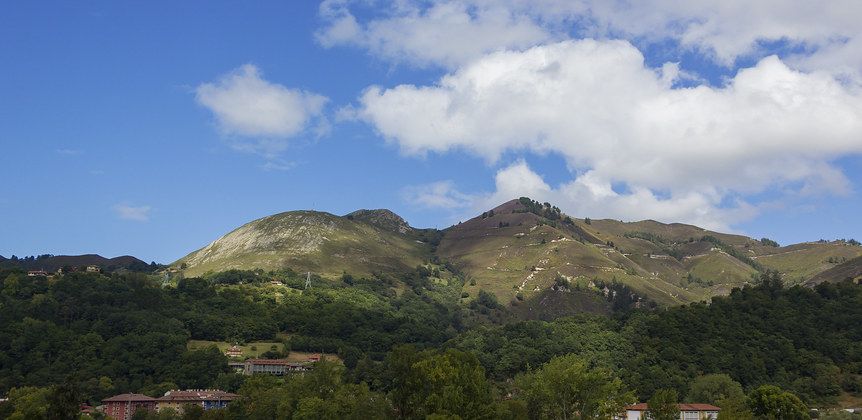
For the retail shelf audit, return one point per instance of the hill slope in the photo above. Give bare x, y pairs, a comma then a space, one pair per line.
523, 248
521, 251
323, 243
851, 270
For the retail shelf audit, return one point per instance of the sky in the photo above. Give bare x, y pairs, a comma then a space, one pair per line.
151, 128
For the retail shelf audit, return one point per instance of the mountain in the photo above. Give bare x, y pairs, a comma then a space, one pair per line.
360, 243
53, 263
524, 252
381, 218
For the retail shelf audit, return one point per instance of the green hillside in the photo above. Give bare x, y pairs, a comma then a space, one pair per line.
524, 252
322, 243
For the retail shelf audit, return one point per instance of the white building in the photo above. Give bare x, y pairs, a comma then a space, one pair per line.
686, 412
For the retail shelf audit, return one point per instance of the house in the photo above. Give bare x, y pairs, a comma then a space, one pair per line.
208, 399
124, 406
35, 273
686, 412
276, 367
94, 269
314, 358
233, 351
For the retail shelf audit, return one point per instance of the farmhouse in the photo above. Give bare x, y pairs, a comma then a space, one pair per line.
124, 406
686, 412
233, 351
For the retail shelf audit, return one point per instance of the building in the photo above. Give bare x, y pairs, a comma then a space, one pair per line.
233, 351
124, 406
272, 367
237, 367
686, 412
35, 273
208, 399
94, 269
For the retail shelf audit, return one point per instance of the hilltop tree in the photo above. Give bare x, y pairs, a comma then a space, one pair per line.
769, 242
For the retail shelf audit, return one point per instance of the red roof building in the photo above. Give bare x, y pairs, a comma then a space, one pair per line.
124, 406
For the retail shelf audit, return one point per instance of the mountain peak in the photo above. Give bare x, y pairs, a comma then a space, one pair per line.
381, 218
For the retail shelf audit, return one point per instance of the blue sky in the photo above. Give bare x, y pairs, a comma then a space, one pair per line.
125, 126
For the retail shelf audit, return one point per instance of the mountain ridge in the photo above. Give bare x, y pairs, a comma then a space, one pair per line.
518, 250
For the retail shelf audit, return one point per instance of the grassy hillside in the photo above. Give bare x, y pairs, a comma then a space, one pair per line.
802, 262
322, 243
520, 251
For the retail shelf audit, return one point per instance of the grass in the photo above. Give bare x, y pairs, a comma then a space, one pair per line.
325, 244
254, 349
720, 268
802, 264
260, 347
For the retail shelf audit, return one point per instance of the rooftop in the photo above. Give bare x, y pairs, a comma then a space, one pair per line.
129, 398
279, 362
198, 395
682, 407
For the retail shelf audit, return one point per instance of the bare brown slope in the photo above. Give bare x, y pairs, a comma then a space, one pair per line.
850, 270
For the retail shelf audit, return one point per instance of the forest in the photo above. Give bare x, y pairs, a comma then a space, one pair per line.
413, 347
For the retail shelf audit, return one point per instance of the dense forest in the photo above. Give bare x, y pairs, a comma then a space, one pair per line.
414, 346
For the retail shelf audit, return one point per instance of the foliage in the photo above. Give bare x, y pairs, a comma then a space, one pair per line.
319, 394
663, 405
567, 388
545, 210
734, 409
451, 383
769, 242
710, 389
773, 403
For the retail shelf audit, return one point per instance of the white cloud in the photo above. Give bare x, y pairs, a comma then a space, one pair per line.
444, 33
263, 114
450, 32
134, 213
67, 152
586, 197
617, 121
437, 195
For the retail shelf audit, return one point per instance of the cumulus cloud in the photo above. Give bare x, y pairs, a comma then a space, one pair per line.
615, 120
259, 115
134, 213
450, 32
